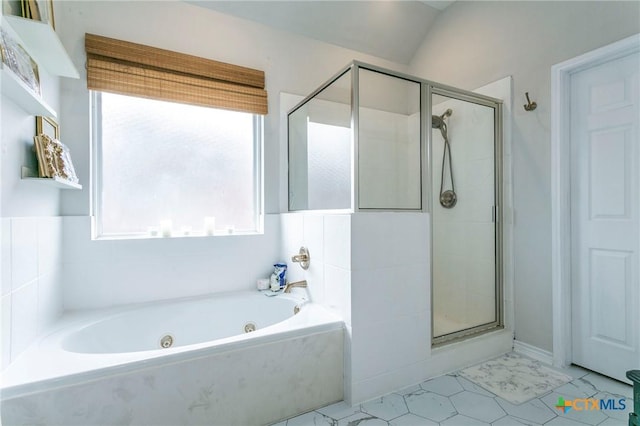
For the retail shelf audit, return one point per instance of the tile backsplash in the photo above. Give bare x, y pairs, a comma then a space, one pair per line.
31, 297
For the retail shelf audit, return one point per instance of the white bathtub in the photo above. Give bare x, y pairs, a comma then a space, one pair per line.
187, 322
109, 367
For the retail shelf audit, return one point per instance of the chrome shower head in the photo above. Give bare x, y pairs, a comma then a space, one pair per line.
437, 122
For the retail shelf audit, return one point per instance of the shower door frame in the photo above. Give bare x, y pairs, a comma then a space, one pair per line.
427, 89
498, 221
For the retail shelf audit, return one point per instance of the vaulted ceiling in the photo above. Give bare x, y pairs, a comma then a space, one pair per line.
390, 29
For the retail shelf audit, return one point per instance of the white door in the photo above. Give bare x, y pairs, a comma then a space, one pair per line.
605, 205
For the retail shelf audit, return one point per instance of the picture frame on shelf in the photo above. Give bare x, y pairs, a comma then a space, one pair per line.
54, 159
39, 10
47, 166
47, 126
33, 10
49, 150
66, 165
18, 60
13, 8
46, 12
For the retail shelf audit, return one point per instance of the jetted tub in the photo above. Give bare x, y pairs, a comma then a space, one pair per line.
181, 324
234, 358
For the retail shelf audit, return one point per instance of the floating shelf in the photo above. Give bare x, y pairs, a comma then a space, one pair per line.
40, 40
56, 182
15, 89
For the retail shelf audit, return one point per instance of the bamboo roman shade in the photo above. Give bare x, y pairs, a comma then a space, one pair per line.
137, 70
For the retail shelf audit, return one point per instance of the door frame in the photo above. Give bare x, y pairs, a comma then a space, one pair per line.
561, 186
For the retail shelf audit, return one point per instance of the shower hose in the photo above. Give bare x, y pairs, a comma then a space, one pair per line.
447, 200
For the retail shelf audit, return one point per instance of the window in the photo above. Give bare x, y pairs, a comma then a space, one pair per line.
160, 161
178, 141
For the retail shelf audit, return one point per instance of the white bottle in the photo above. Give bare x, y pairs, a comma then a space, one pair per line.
274, 282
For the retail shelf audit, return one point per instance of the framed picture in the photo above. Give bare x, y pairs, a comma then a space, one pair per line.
45, 151
13, 8
66, 166
33, 10
47, 126
46, 10
54, 158
38, 10
19, 61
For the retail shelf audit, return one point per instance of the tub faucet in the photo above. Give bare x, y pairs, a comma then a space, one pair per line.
300, 284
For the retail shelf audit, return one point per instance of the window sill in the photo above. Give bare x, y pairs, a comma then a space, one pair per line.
145, 236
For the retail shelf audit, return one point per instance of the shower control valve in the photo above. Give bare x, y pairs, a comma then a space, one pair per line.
302, 258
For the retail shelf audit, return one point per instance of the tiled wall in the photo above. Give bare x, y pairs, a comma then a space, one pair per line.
390, 303
103, 273
328, 239
31, 270
372, 270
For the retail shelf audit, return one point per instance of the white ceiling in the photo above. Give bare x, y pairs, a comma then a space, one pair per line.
390, 29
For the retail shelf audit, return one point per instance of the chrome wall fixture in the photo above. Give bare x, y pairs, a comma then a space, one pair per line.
302, 258
530, 106
297, 284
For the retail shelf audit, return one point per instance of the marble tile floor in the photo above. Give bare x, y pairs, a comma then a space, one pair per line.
452, 400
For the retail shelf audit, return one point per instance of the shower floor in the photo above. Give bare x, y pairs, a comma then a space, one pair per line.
443, 325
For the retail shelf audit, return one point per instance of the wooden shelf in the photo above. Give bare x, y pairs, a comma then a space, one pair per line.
15, 89
56, 182
40, 40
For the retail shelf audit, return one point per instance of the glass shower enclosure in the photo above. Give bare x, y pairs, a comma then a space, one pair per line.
385, 172
371, 139
465, 213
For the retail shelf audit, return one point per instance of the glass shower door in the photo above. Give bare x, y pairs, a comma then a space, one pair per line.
466, 288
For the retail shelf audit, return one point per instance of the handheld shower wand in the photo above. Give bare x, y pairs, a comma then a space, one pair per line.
448, 198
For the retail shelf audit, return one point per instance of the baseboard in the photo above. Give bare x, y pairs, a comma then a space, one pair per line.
533, 352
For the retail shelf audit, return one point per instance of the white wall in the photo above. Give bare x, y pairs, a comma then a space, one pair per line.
31, 297
472, 43
101, 273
